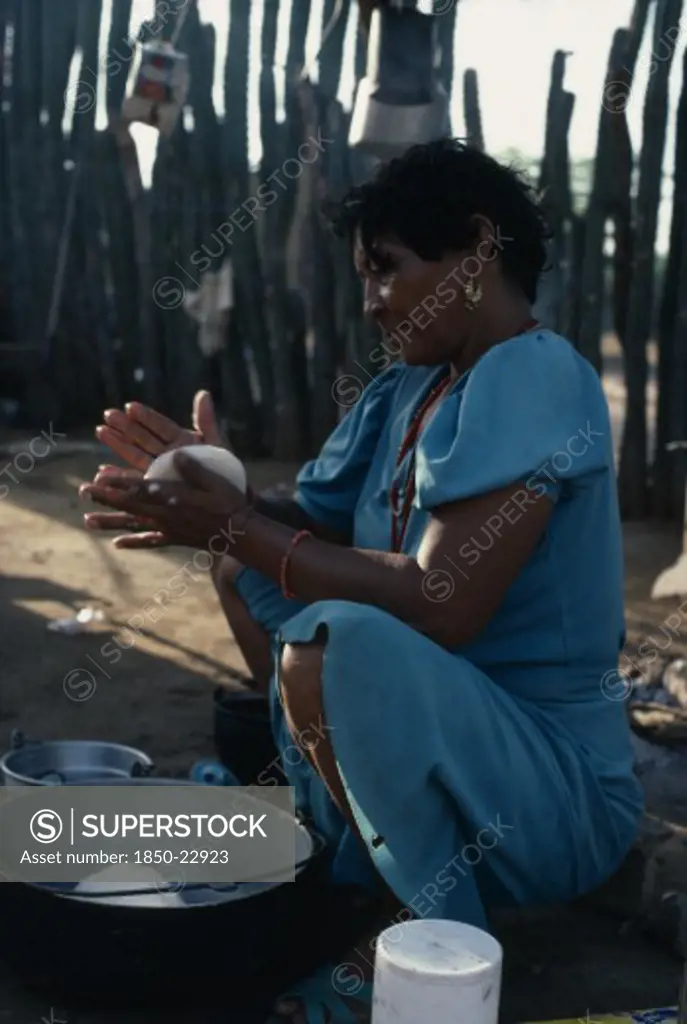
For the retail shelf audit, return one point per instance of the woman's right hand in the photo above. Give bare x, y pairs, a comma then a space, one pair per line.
133, 532
138, 434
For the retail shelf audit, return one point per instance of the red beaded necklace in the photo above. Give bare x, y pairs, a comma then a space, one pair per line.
401, 515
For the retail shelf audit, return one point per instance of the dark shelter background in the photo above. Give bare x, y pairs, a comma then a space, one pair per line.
99, 275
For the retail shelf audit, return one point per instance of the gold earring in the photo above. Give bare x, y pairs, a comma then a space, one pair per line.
473, 293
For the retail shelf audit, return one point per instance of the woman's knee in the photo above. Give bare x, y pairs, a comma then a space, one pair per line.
300, 670
228, 569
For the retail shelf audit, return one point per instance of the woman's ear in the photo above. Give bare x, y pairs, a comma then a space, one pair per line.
483, 229
484, 237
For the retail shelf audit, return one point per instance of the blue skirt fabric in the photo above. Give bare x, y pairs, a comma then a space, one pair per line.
467, 795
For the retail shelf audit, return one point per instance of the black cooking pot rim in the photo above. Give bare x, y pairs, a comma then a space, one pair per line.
318, 851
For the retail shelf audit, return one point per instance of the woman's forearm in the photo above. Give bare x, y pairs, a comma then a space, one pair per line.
320, 571
290, 513
280, 510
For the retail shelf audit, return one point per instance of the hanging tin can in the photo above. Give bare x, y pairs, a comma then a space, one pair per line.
158, 87
400, 101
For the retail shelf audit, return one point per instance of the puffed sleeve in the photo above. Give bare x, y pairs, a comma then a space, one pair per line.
328, 487
532, 410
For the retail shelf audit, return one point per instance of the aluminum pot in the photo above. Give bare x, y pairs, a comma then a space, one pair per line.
57, 762
235, 951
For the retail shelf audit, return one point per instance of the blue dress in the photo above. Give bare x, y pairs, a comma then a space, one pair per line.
501, 772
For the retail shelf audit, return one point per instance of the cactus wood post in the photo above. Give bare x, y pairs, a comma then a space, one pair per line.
203, 211
610, 197
226, 373
446, 34
554, 184
321, 181
680, 347
249, 314
672, 582
623, 163
336, 163
120, 54
592, 278
672, 365
320, 284
7, 318
471, 108
86, 224
295, 133
633, 458
273, 226
21, 100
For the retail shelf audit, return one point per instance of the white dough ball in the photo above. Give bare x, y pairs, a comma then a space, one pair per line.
217, 460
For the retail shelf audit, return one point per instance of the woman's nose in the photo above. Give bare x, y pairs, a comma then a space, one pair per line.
373, 303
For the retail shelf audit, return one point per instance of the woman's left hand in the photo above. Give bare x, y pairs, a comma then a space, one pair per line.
204, 511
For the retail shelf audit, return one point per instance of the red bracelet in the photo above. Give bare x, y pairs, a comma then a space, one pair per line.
301, 535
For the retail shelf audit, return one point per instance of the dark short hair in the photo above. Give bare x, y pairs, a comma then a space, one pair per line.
428, 199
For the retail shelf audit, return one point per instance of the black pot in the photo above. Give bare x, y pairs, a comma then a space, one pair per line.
243, 738
230, 955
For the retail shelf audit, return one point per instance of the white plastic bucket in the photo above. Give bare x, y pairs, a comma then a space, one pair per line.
442, 972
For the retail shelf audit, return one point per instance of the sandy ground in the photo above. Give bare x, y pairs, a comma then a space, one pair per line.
158, 696
149, 685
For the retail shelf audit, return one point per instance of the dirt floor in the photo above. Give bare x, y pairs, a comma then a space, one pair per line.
158, 696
